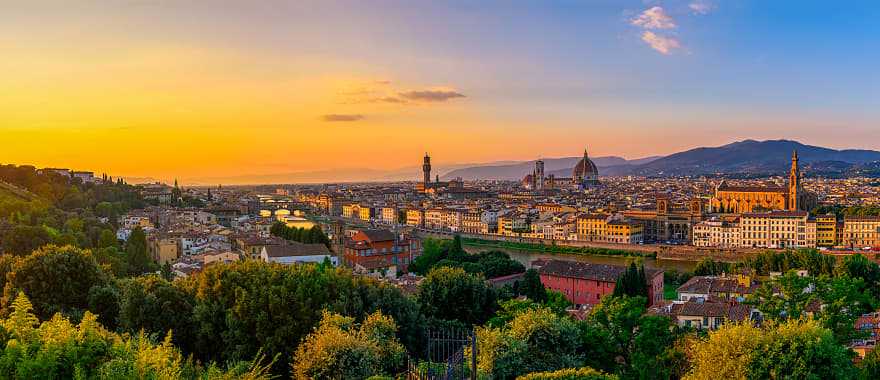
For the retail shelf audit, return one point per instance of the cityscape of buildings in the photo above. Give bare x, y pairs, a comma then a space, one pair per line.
379, 229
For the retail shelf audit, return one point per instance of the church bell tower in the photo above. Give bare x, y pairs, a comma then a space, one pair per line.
794, 184
426, 169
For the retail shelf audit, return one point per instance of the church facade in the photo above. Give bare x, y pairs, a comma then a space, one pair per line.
744, 199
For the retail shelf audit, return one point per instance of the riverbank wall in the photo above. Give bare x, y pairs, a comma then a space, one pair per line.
660, 251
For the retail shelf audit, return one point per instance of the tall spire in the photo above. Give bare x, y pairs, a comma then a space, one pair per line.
794, 184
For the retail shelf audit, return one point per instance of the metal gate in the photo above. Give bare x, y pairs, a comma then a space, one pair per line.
450, 354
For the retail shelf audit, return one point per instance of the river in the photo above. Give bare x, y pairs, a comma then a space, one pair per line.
526, 257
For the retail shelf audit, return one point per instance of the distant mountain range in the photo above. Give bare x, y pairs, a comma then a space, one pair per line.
752, 157
743, 158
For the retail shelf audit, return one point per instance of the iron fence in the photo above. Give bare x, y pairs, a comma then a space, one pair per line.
450, 354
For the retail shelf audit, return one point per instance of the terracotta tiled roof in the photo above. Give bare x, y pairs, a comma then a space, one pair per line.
296, 249
799, 214
730, 311
753, 189
588, 271
714, 284
378, 235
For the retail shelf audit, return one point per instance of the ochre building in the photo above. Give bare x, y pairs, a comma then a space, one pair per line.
745, 199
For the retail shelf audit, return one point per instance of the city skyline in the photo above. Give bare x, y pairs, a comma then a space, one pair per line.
190, 90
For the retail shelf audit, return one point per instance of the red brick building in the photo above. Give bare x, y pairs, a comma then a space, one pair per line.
586, 283
380, 251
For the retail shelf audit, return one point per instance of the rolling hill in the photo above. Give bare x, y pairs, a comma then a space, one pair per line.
750, 157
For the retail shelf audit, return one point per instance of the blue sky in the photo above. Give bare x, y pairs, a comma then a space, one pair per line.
531, 78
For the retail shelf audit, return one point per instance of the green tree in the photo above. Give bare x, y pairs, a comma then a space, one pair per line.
871, 365
155, 305
795, 349
535, 340
859, 266
59, 349
57, 279
112, 260
339, 349
619, 337
531, 286
250, 306
632, 282
452, 294
709, 267
107, 239
139, 260
22, 240
785, 297
584, 373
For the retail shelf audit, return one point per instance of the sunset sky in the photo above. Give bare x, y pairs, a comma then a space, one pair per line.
196, 89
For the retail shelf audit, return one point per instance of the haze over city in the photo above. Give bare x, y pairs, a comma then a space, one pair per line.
208, 91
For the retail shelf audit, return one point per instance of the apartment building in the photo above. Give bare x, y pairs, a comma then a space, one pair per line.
716, 232
776, 229
861, 232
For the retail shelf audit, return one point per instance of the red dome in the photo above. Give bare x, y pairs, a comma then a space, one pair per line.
585, 168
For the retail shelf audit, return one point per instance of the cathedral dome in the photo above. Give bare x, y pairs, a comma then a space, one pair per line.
585, 169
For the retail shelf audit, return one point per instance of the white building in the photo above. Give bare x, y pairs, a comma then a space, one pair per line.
776, 229
717, 233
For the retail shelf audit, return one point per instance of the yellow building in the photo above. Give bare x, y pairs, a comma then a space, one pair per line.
553, 207
602, 228
826, 230
861, 232
365, 213
163, 249
592, 227
351, 210
415, 217
624, 232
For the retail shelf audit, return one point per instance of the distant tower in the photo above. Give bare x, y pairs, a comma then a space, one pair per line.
794, 183
538, 176
426, 169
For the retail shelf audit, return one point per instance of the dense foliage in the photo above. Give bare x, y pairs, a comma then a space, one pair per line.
584, 373
553, 248
843, 211
450, 253
796, 349
340, 349
37, 209
536, 340
452, 294
314, 235
632, 282
61, 349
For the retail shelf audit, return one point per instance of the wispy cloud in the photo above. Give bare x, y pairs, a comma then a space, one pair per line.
654, 18
383, 92
701, 7
664, 45
433, 95
336, 117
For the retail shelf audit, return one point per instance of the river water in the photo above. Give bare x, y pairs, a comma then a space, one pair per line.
526, 257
